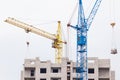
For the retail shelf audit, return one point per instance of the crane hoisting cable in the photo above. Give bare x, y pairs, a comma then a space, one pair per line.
113, 49
57, 38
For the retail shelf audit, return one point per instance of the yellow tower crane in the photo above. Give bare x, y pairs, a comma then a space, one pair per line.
57, 38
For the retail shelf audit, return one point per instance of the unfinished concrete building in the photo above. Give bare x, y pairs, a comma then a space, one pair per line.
34, 69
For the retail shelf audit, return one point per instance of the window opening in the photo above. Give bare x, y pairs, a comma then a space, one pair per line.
42, 70
90, 70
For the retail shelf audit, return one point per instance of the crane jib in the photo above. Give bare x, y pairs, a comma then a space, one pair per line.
30, 28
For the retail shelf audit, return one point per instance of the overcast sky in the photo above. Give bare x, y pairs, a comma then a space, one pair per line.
44, 14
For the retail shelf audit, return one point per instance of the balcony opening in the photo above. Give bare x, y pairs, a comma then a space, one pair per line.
29, 78
32, 72
42, 79
77, 79
104, 79
68, 74
55, 69
74, 69
90, 79
55, 78
68, 63
68, 68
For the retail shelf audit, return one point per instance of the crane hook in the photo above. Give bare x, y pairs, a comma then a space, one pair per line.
27, 43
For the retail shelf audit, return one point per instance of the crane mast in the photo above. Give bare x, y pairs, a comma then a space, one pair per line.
58, 44
82, 28
57, 38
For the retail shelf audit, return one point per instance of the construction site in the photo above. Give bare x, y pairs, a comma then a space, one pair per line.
71, 47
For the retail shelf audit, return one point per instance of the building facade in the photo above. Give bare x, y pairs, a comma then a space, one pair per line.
34, 69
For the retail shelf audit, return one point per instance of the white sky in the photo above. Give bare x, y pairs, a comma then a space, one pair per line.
36, 12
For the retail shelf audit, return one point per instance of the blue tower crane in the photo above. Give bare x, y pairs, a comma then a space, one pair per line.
82, 27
